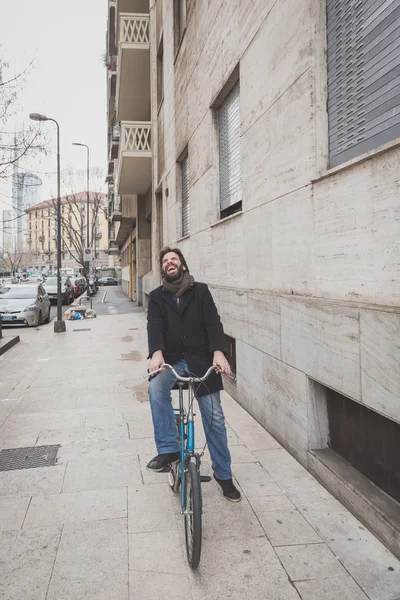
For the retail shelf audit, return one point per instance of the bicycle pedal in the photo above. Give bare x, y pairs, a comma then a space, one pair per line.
205, 478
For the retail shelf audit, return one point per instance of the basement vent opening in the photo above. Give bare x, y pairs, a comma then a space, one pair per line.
367, 440
13, 459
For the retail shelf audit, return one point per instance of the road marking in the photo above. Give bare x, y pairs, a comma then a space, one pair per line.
104, 298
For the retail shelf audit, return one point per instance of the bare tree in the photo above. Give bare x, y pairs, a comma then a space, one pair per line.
24, 140
12, 257
74, 224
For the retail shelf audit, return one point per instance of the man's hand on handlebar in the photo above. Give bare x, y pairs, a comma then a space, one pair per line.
156, 361
220, 362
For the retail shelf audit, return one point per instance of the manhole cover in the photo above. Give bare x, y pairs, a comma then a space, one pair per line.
28, 458
82, 329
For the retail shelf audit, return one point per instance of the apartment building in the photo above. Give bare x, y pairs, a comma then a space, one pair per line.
41, 232
274, 136
129, 141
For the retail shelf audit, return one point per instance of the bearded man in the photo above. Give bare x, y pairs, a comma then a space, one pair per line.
185, 331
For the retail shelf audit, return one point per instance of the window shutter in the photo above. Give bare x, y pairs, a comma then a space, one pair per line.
363, 41
230, 156
185, 197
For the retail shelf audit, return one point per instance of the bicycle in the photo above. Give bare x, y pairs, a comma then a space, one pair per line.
185, 473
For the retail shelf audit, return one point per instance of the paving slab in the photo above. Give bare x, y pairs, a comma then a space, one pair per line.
105, 473
158, 586
27, 560
31, 482
310, 561
91, 562
374, 568
332, 588
150, 509
91, 505
156, 552
12, 512
287, 527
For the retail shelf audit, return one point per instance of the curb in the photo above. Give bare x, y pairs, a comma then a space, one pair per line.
8, 343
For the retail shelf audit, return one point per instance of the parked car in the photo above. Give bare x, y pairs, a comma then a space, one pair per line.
67, 289
22, 304
108, 281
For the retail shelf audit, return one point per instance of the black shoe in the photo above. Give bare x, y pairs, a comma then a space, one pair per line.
229, 489
161, 462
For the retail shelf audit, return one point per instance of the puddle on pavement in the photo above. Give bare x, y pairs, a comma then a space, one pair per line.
134, 355
142, 396
139, 387
127, 338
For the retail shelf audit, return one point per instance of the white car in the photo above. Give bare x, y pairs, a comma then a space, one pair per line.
24, 305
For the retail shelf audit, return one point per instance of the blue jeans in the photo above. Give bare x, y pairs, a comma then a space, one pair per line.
165, 430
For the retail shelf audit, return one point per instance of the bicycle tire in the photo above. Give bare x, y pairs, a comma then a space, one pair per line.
193, 511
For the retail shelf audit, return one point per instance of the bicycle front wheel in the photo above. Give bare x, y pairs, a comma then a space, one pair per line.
192, 514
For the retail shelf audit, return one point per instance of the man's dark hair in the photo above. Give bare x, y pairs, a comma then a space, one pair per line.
167, 249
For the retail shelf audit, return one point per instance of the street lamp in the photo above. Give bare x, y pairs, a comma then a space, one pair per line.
59, 324
87, 197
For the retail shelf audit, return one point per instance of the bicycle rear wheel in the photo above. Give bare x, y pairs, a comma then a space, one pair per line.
193, 514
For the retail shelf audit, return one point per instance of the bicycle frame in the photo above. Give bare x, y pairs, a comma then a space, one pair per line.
186, 436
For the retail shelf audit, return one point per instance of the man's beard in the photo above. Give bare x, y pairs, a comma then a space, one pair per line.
174, 277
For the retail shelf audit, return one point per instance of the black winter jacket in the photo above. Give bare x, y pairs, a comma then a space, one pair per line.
192, 331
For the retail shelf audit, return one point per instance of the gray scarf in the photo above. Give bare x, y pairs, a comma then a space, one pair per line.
180, 286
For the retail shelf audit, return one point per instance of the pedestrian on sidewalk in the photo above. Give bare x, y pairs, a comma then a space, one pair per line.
185, 331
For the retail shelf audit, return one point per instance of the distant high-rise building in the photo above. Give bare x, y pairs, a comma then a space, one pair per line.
26, 190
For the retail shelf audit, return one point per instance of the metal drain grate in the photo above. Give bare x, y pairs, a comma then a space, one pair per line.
13, 459
82, 329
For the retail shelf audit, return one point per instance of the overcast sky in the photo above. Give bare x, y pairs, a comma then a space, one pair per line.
65, 41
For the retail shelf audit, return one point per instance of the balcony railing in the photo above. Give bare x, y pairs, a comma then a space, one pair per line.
135, 136
134, 29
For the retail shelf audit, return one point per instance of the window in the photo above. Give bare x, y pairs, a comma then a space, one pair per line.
230, 344
230, 156
180, 17
185, 196
363, 58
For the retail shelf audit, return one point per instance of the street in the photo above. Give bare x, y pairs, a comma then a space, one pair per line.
97, 525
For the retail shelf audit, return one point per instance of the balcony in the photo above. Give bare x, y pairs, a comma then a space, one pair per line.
98, 235
133, 174
116, 208
133, 68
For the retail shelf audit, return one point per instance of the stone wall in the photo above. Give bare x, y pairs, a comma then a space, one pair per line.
306, 277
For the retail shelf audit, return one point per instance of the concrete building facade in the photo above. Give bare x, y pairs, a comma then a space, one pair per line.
275, 169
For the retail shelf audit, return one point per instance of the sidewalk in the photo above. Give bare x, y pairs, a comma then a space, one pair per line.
98, 526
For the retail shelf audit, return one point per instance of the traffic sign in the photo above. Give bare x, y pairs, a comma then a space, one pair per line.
88, 254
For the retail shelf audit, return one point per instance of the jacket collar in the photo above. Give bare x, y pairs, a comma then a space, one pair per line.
183, 300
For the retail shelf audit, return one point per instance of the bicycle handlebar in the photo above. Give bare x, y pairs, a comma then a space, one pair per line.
184, 379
